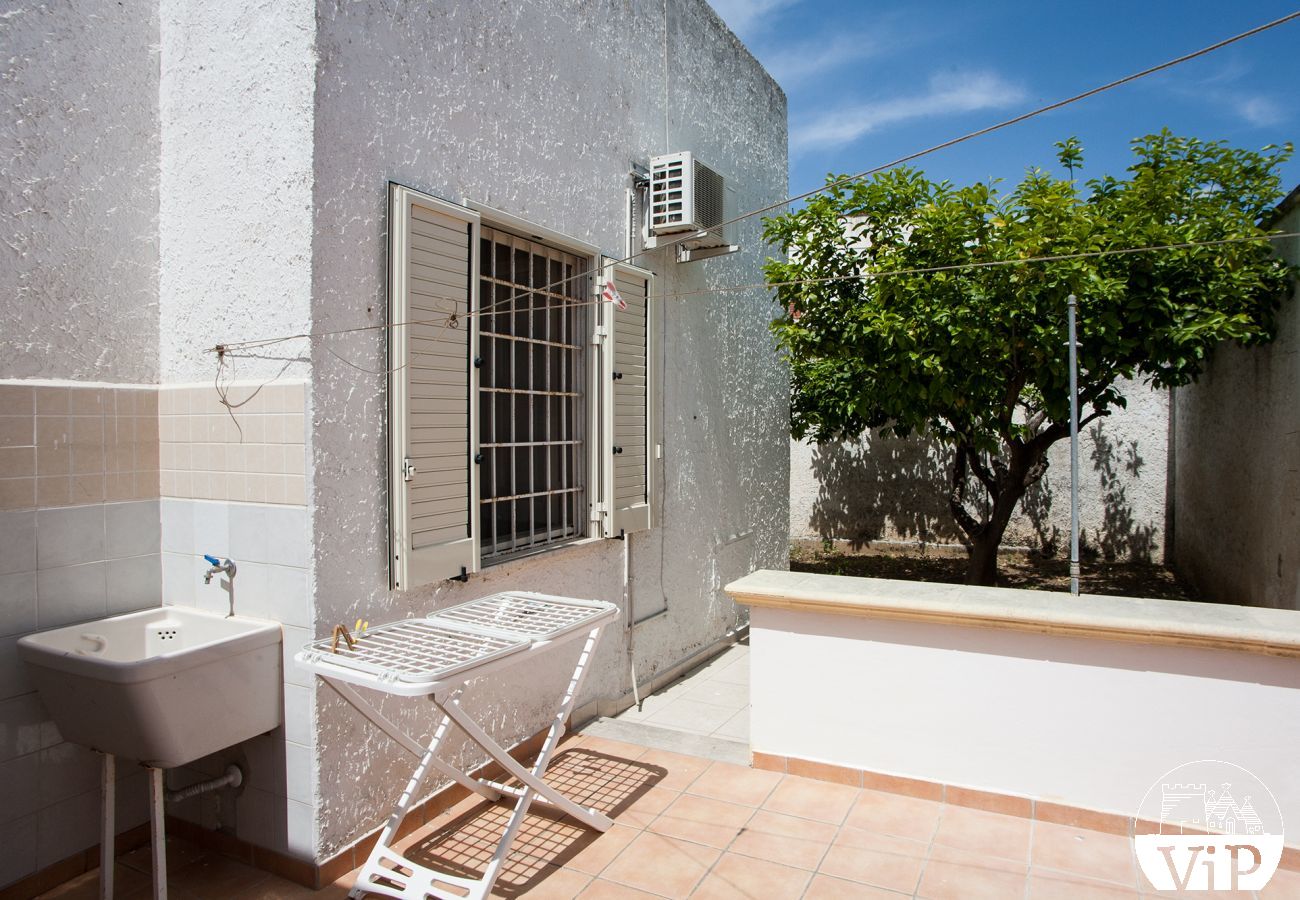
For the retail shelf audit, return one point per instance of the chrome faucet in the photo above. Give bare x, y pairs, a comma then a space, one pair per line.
228, 567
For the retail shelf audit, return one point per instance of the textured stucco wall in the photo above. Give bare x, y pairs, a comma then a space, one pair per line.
237, 82
887, 489
537, 109
1237, 465
79, 191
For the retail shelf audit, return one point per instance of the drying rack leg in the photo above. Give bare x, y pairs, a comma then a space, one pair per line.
108, 829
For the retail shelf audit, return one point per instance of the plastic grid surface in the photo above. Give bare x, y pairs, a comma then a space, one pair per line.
534, 617
416, 650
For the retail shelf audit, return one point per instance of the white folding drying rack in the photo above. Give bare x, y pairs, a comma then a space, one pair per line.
434, 657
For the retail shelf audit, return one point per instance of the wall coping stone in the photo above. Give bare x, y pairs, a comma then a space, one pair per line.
1272, 632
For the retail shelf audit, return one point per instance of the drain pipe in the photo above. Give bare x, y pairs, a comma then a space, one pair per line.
234, 777
1074, 448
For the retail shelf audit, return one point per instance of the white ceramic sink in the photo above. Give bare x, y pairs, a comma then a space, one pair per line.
163, 686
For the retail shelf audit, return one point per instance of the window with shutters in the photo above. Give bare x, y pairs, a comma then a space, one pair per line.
521, 404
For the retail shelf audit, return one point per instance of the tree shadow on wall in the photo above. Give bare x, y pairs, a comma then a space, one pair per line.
1120, 535
882, 486
889, 487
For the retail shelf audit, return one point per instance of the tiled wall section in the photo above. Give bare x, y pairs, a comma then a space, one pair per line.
58, 566
66, 445
254, 452
271, 547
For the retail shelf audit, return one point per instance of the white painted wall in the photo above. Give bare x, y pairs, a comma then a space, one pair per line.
1237, 434
1080, 721
236, 88
538, 109
889, 489
79, 209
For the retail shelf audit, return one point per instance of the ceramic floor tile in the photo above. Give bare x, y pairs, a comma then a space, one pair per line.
736, 728
1283, 884
809, 799
892, 864
788, 851
895, 814
680, 771
720, 693
735, 784
742, 878
1005, 837
601, 889
593, 857
1093, 854
662, 865
1045, 885
964, 875
824, 887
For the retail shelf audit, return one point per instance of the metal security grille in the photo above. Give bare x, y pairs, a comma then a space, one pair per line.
531, 414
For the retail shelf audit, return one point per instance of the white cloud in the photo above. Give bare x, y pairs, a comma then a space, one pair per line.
746, 16
948, 94
795, 63
1259, 111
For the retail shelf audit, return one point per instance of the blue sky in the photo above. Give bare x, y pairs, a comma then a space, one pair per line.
869, 82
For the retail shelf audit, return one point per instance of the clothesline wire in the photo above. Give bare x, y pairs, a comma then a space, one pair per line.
453, 320
838, 183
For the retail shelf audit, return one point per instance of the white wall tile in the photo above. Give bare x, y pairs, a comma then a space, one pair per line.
298, 762
262, 819
134, 583
17, 602
71, 594
211, 528
178, 582
67, 770
301, 822
294, 638
13, 673
269, 534
70, 535
132, 529
20, 787
19, 841
17, 541
21, 731
299, 714
176, 525
66, 827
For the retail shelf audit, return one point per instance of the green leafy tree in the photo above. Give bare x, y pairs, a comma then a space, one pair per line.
973, 352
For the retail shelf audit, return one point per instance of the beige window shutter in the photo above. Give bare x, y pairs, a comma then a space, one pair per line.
433, 482
629, 402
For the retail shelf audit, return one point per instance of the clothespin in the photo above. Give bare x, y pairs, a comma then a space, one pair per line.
342, 631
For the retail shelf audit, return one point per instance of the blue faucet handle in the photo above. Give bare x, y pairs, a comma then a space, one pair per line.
212, 560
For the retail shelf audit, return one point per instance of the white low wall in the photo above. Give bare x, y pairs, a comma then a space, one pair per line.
1083, 701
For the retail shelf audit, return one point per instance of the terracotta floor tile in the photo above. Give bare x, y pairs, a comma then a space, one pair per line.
216, 878
610, 890
717, 836
893, 863
809, 799
180, 853
792, 826
645, 808
661, 865
127, 882
895, 814
681, 770
1283, 884
989, 833
1045, 885
1093, 854
593, 857
559, 884
952, 874
741, 878
824, 887
735, 784
712, 812
788, 851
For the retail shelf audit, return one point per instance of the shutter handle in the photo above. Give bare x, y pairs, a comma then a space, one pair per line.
478, 362
408, 470
478, 458
618, 376
618, 449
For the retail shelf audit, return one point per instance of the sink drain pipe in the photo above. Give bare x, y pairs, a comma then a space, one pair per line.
234, 777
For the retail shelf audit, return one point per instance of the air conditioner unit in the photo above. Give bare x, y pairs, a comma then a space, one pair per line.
685, 196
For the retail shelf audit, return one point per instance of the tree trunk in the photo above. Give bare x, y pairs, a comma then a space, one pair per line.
982, 567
